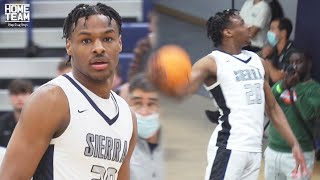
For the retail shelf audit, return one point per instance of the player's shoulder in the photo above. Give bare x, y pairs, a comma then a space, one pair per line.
212, 56
205, 62
49, 91
48, 96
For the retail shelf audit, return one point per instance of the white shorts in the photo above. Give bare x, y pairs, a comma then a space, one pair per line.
232, 165
279, 165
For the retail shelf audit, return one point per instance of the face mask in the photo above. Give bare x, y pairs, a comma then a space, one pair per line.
272, 38
147, 125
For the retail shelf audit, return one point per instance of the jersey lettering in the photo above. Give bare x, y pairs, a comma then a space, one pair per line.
104, 147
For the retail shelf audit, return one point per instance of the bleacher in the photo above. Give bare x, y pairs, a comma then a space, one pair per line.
48, 16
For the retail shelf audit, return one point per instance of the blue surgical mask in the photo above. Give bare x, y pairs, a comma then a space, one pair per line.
272, 38
147, 125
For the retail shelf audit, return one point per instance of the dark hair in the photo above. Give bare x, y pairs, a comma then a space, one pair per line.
285, 24
141, 54
140, 81
276, 10
306, 56
216, 24
85, 10
19, 86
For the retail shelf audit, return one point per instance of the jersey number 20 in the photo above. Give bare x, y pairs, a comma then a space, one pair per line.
253, 93
105, 174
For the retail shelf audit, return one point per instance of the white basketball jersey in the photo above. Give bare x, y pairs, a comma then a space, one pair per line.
96, 140
240, 96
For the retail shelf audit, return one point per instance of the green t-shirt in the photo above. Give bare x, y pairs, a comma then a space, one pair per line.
308, 102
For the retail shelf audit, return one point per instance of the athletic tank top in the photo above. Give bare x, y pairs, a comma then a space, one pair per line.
240, 96
93, 146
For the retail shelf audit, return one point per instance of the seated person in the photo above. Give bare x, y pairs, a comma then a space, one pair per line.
19, 92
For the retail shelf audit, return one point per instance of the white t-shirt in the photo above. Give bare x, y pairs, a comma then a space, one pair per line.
2, 152
258, 15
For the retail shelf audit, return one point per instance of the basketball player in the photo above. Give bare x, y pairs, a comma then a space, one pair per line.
75, 127
238, 81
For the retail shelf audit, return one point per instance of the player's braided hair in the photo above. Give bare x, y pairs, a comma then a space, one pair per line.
216, 24
85, 10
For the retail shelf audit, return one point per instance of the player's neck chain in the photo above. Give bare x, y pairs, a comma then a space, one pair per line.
104, 116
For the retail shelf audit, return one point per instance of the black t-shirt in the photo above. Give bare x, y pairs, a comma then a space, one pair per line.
281, 60
7, 125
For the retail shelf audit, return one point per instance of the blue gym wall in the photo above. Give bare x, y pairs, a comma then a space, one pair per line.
307, 32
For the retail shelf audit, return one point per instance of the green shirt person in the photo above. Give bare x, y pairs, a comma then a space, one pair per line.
306, 96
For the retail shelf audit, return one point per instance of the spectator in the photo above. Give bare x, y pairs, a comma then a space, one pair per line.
256, 14
19, 91
276, 10
147, 158
117, 80
141, 52
63, 67
144, 47
305, 92
278, 46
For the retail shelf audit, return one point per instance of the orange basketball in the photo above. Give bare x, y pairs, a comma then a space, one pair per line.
170, 69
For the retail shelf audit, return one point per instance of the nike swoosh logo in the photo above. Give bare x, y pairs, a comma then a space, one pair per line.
82, 111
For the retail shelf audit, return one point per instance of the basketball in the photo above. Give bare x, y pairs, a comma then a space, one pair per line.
170, 69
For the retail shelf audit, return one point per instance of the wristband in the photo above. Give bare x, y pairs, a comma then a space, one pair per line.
279, 89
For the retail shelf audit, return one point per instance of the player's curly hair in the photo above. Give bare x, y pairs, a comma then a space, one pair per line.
217, 23
85, 10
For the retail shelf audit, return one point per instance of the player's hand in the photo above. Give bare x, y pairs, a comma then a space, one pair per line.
301, 167
266, 51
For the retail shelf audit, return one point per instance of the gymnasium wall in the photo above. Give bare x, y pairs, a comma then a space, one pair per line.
307, 32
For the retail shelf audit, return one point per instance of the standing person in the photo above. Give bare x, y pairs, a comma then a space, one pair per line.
257, 14
306, 95
238, 81
19, 92
75, 127
142, 51
147, 161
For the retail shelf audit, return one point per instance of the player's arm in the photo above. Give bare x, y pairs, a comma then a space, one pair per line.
275, 74
41, 119
202, 71
281, 124
124, 172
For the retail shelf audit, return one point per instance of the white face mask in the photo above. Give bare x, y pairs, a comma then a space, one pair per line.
147, 125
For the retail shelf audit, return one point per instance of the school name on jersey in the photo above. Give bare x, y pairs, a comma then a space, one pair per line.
105, 147
248, 74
